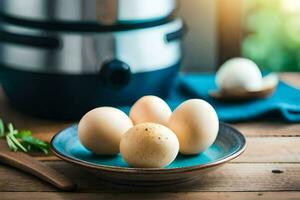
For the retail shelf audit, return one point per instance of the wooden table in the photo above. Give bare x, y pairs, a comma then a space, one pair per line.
269, 168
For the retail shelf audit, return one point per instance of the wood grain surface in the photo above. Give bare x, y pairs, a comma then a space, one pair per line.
153, 196
230, 177
269, 169
26, 163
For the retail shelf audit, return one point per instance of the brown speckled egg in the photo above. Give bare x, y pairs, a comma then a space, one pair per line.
149, 145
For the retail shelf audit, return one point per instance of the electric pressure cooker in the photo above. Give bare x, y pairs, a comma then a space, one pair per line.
61, 58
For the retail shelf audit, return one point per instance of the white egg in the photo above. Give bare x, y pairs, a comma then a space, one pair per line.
100, 130
150, 109
270, 81
239, 73
196, 124
149, 145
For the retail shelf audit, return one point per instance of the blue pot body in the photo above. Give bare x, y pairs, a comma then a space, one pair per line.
69, 97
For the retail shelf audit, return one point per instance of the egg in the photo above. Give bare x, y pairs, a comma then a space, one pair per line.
100, 130
239, 73
150, 109
149, 145
196, 124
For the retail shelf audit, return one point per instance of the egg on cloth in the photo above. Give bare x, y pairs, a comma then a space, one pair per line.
150, 109
243, 74
100, 130
239, 73
149, 145
196, 124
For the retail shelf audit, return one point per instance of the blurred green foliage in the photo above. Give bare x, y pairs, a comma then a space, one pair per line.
272, 34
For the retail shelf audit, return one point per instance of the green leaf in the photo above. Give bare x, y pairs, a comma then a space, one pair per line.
10, 144
46, 151
35, 141
10, 127
16, 142
36, 144
2, 129
23, 133
22, 140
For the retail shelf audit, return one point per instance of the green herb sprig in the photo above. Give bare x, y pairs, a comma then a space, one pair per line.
21, 140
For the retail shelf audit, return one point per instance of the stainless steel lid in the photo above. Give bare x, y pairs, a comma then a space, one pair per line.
99, 11
62, 52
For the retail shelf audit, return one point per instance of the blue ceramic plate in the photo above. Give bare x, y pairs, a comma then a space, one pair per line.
229, 144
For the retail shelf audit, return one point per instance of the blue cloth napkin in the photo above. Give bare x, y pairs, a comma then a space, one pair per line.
283, 105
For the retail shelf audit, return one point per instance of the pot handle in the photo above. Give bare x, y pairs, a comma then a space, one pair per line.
46, 42
176, 35
115, 74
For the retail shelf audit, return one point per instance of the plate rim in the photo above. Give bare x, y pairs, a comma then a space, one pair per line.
134, 170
